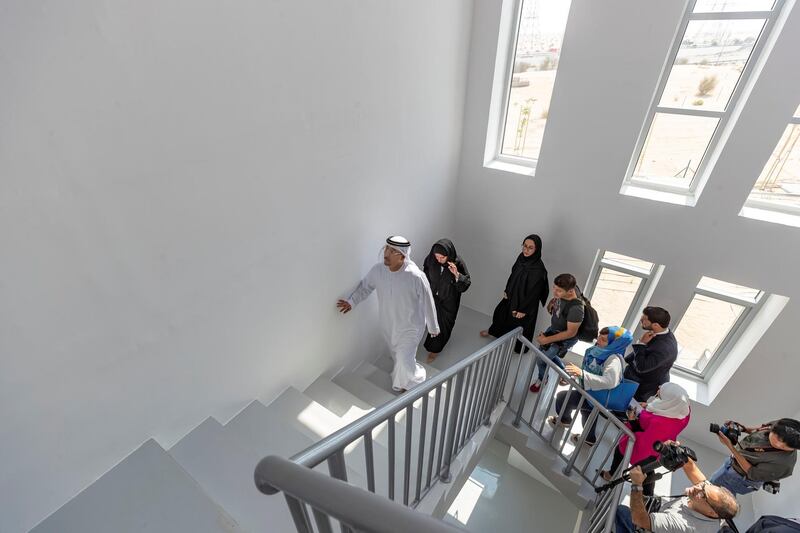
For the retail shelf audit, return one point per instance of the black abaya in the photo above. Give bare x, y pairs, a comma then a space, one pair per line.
446, 291
526, 289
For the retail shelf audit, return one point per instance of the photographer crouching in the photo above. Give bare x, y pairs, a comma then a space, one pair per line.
703, 508
766, 455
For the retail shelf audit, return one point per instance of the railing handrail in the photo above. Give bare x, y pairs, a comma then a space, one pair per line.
321, 450
563, 375
351, 505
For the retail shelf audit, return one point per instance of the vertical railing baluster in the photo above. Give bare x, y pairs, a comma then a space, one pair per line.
407, 455
462, 402
446, 411
434, 435
370, 460
550, 400
476, 395
468, 395
451, 430
488, 386
323, 521
597, 440
524, 389
571, 425
299, 514
421, 455
560, 414
581, 441
508, 357
336, 465
607, 456
391, 454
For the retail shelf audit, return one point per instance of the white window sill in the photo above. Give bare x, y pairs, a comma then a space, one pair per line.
677, 198
769, 215
514, 168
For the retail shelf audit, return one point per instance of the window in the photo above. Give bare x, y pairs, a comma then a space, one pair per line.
778, 186
720, 41
534, 50
716, 314
617, 287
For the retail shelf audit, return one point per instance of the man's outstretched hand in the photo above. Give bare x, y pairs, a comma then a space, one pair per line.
344, 306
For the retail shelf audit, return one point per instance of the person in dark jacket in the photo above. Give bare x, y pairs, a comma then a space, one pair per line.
653, 356
448, 276
527, 288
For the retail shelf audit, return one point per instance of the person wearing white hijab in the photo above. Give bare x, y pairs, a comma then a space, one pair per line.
664, 416
405, 305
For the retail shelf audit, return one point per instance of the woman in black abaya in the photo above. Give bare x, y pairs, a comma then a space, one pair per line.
526, 289
449, 277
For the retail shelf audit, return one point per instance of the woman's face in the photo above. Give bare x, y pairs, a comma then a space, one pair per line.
602, 341
441, 258
528, 248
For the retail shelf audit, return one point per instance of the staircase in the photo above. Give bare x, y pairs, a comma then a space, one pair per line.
417, 456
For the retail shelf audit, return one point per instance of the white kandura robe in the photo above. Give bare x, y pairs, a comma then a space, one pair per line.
406, 307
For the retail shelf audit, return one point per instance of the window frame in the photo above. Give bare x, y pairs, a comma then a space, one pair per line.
497, 122
766, 205
716, 142
750, 311
638, 302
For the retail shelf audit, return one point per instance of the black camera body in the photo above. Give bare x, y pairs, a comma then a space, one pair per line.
673, 456
732, 431
670, 456
773, 487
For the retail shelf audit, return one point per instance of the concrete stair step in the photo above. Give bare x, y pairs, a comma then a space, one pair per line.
224, 466
148, 491
289, 425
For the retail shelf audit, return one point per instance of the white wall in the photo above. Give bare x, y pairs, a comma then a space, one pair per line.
612, 56
187, 187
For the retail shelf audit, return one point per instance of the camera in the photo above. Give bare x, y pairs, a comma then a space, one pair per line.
773, 487
731, 430
670, 456
673, 456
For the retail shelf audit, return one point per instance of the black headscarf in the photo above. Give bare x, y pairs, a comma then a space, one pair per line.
434, 269
525, 274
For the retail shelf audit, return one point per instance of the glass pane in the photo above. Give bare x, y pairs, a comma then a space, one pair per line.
704, 326
631, 262
731, 289
674, 147
613, 296
779, 182
716, 6
709, 63
541, 31
797, 112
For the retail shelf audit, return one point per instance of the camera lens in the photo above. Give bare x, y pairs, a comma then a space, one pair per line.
657, 445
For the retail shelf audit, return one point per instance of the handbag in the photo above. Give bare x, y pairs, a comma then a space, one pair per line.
618, 398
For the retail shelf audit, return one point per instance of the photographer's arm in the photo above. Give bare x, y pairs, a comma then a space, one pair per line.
639, 514
744, 464
693, 473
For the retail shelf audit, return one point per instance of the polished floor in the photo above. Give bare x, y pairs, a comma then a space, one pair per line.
498, 497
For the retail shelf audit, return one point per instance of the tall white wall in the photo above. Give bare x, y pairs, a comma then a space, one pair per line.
187, 187
612, 57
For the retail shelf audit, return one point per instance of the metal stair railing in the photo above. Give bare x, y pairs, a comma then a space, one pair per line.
330, 500
532, 410
463, 396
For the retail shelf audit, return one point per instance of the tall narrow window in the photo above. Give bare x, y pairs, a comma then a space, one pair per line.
617, 286
716, 315
719, 42
778, 186
535, 51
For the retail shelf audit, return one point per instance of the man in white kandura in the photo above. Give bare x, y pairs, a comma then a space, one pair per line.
406, 306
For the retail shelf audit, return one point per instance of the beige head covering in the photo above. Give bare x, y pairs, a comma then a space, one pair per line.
672, 401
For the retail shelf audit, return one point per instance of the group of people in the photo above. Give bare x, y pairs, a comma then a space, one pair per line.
413, 300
